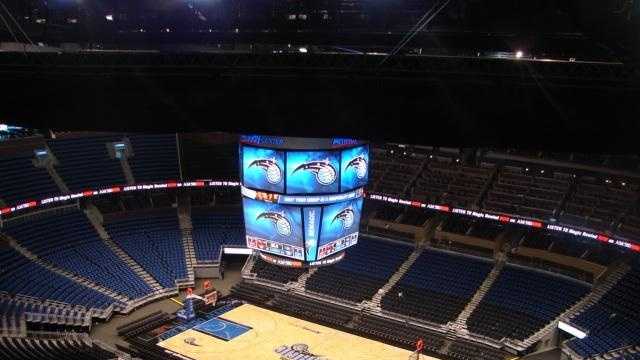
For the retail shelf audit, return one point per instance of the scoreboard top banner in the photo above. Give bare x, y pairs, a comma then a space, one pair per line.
293, 143
301, 200
294, 171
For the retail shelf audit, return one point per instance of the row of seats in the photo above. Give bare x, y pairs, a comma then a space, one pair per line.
252, 293
437, 287
564, 244
279, 274
597, 205
84, 162
538, 194
449, 182
313, 310
614, 321
389, 212
21, 276
471, 227
154, 240
69, 241
622, 162
155, 157
389, 331
28, 348
365, 269
397, 333
392, 172
212, 229
521, 301
592, 202
634, 356
21, 180
554, 267
630, 226
463, 248
13, 309
468, 351
415, 217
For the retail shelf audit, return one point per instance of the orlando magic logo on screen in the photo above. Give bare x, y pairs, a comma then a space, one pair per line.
272, 171
359, 164
346, 216
325, 173
280, 222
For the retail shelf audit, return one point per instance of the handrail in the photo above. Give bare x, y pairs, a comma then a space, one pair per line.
602, 354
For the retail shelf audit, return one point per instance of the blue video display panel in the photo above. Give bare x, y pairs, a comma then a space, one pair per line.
354, 168
311, 230
313, 172
339, 229
274, 228
263, 169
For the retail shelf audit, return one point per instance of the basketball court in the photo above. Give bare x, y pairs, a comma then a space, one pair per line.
251, 332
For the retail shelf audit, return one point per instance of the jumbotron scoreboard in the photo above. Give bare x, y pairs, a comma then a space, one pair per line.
302, 198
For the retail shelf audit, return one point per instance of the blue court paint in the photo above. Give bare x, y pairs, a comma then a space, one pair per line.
222, 329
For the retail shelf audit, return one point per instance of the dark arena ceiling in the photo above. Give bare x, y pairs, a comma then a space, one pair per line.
558, 73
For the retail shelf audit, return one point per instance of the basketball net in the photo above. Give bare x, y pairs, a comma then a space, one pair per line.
415, 355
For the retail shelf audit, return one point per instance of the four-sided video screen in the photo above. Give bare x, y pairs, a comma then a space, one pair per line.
302, 203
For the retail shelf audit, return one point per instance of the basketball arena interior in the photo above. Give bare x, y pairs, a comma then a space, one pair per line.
319, 179
147, 246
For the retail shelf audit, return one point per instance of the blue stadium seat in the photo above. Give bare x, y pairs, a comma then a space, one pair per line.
365, 269
84, 163
21, 180
437, 287
28, 278
614, 321
69, 241
155, 157
154, 240
212, 229
522, 301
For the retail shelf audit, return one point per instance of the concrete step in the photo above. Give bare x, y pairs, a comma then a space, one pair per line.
461, 321
184, 218
302, 280
126, 169
393, 280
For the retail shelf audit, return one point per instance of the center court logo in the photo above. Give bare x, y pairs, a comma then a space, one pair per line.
297, 352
